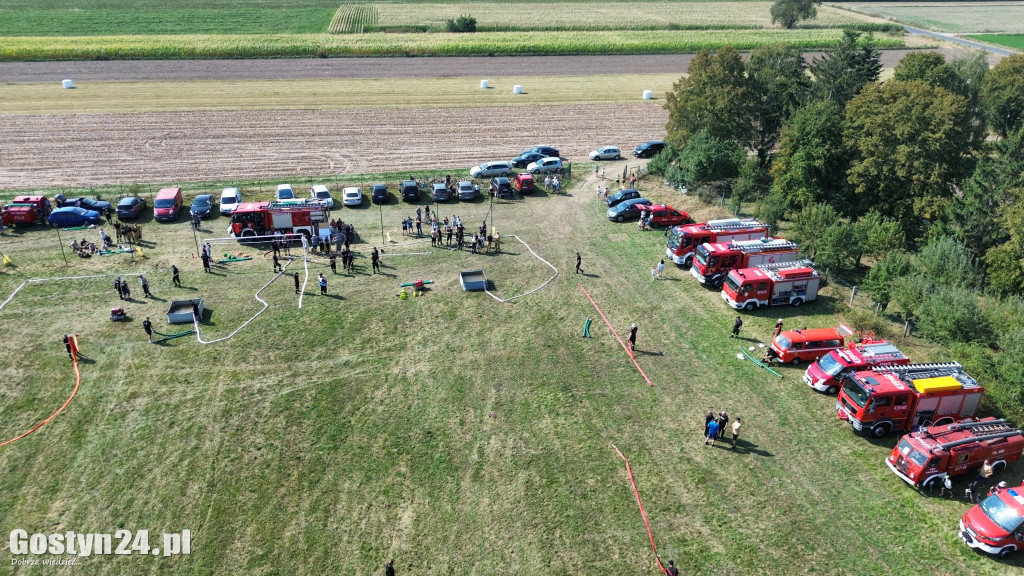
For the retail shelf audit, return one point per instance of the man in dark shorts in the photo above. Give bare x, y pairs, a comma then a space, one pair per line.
148, 327
579, 262
175, 277
375, 259
632, 338
736, 327
296, 277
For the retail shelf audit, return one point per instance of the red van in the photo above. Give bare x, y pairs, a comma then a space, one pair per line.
796, 346
167, 205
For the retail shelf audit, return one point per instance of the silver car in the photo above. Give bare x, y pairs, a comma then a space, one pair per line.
466, 190
491, 169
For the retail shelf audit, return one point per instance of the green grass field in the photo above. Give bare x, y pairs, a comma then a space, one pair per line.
1007, 17
118, 29
451, 432
1015, 41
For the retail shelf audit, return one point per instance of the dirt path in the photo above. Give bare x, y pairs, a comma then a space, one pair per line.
131, 70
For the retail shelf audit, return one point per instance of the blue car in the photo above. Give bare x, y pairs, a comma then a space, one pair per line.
73, 216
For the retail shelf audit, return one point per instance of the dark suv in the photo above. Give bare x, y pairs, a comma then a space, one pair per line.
649, 149
410, 191
501, 187
379, 194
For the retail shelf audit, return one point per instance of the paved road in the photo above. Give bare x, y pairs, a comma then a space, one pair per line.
958, 40
313, 68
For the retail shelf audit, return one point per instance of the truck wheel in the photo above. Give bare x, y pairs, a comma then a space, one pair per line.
688, 263
998, 467
832, 390
797, 302
1005, 552
880, 431
248, 232
795, 361
749, 306
718, 281
931, 483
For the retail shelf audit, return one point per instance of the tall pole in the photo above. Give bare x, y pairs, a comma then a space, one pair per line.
383, 243
195, 235
61, 242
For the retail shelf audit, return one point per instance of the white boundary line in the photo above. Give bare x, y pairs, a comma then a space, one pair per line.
38, 280
246, 323
535, 289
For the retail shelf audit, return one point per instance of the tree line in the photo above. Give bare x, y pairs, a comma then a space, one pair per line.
912, 187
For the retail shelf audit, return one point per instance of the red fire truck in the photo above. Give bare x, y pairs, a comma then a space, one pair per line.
684, 239
901, 398
790, 283
713, 261
922, 458
996, 525
826, 373
292, 217
26, 210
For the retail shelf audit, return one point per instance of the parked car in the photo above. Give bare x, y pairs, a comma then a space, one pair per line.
524, 183
466, 190
101, 206
622, 196
167, 205
202, 206
545, 165
352, 196
230, 198
410, 191
501, 187
526, 158
130, 207
439, 192
606, 153
665, 215
547, 151
491, 169
321, 193
627, 209
285, 192
73, 216
648, 149
379, 193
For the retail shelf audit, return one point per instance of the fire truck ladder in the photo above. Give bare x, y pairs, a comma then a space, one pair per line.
918, 371
777, 266
979, 439
731, 224
303, 206
985, 427
761, 246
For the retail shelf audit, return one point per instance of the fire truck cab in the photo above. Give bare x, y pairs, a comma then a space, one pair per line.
712, 261
790, 283
684, 239
900, 398
996, 526
922, 458
826, 373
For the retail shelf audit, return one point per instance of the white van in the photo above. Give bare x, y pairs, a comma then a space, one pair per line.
321, 193
230, 198
285, 192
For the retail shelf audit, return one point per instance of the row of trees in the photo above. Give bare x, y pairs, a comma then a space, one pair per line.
920, 176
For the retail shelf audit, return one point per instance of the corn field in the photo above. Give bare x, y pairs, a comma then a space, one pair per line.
354, 19
413, 44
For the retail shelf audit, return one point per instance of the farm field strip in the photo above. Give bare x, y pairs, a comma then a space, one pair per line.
125, 97
601, 15
93, 149
430, 44
959, 17
1015, 41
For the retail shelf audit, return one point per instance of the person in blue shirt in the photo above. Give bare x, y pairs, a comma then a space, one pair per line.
712, 432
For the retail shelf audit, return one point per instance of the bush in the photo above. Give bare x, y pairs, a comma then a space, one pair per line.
951, 314
464, 23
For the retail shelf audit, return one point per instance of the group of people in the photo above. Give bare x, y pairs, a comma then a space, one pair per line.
646, 218
658, 271
716, 425
125, 293
553, 183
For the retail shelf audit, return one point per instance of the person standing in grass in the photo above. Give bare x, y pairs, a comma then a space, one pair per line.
712, 433
672, 570
145, 286
323, 285
736, 325
334, 264
778, 329
723, 423
632, 338
708, 419
661, 269
148, 327
117, 286
579, 263
736, 430
277, 264
296, 277
175, 276
389, 570
206, 262
375, 260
